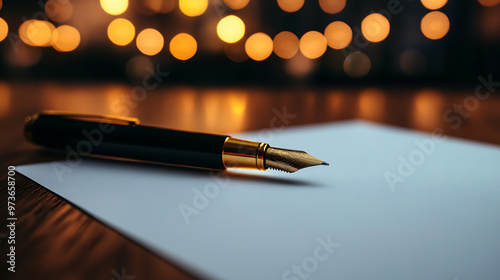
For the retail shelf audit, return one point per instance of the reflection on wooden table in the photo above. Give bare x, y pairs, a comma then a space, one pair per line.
228, 110
59, 241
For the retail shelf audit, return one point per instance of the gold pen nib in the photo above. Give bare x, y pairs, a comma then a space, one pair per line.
290, 160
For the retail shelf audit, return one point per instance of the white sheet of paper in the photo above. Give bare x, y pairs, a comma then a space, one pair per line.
439, 220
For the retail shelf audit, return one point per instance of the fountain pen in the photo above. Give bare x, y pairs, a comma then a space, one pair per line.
123, 138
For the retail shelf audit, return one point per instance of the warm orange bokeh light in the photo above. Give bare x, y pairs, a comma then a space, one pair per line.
259, 46
23, 32
338, 35
149, 41
121, 32
193, 8
59, 10
65, 38
236, 4
375, 27
313, 44
36, 32
183, 46
435, 25
231, 29
4, 29
332, 6
290, 6
489, 3
433, 4
114, 7
285, 44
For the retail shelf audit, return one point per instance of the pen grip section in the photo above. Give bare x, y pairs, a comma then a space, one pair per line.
132, 142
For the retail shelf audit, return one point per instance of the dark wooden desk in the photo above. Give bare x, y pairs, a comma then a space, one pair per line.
55, 240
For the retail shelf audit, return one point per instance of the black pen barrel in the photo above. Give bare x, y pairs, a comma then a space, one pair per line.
127, 141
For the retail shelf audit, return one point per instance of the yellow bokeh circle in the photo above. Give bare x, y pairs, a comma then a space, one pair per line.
193, 8
114, 7
231, 29
4, 29
121, 32
183, 46
433, 4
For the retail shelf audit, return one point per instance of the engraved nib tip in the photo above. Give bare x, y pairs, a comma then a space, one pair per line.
290, 160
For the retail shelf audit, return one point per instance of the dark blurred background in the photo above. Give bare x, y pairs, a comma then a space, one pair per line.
75, 40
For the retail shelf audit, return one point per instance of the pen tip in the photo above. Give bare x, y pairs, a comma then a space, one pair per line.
290, 160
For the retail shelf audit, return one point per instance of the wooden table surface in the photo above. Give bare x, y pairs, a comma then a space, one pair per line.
55, 240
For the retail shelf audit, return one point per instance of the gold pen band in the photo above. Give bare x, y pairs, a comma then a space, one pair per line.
239, 153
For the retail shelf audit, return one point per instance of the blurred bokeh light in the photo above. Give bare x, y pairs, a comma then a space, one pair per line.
290, 6
489, 3
435, 25
338, 35
313, 44
434, 4
114, 7
149, 41
332, 6
65, 38
285, 44
121, 32
4, 29
36, 32
259, 46
375, 27
319, 42
231, 29
59, 10
236, 4
193, 8
183, 46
